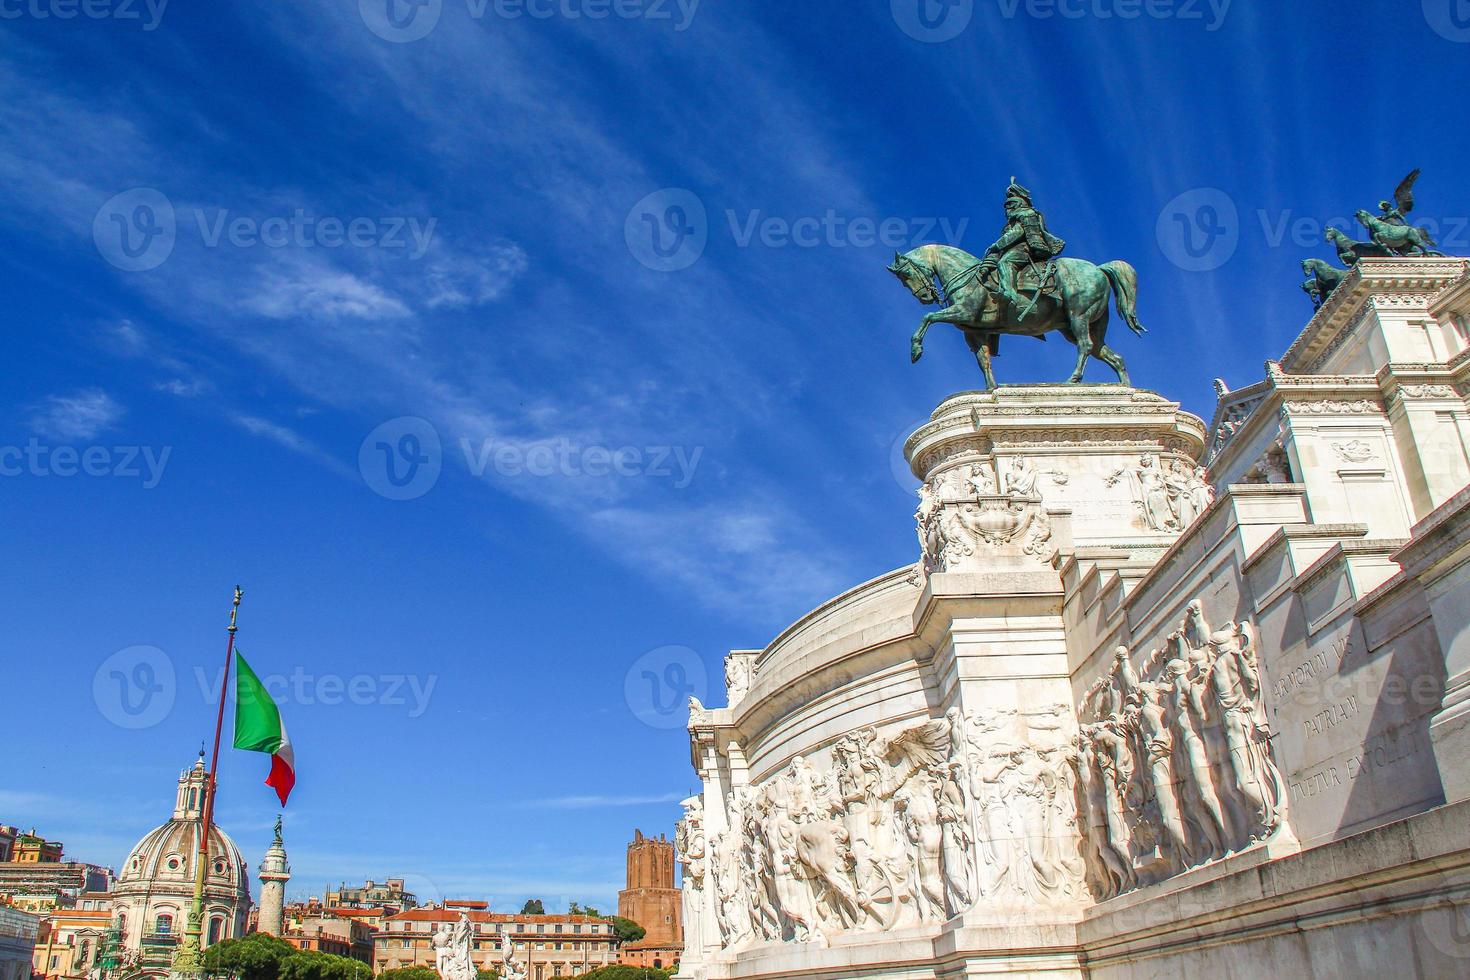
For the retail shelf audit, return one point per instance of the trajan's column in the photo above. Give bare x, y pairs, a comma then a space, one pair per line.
274, 873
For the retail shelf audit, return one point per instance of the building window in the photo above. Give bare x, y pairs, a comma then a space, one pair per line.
216, 929
164, 924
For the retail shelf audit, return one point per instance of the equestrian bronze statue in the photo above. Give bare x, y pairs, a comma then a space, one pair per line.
1020, 286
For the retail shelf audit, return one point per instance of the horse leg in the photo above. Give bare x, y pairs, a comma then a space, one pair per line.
1106, 354
916, 344
1082, 337
980, 347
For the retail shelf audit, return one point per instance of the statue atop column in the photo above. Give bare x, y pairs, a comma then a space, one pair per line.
1020, 286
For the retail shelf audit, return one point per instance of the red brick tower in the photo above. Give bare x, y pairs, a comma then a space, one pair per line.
652, 901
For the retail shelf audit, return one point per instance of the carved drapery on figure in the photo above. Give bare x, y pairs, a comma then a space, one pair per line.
1168, 498
1174, 770
453, 950
897, 831
967, 514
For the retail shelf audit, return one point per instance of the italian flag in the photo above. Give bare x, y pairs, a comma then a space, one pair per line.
258, 728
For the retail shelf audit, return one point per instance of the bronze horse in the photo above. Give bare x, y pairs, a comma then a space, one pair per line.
1078, 307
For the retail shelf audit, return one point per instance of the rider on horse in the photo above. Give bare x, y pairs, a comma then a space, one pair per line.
1024, 242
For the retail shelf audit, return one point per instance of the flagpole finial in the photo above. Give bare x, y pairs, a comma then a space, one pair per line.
235, 609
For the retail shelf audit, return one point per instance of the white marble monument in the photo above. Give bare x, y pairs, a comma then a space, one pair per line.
1157, 698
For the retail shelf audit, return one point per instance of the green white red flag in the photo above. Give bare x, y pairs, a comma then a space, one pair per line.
258, 728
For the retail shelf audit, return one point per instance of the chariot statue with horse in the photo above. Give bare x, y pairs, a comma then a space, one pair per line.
1021, 286
1389, 233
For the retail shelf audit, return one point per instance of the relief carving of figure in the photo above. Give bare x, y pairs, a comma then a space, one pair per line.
1174, 767
1236, 684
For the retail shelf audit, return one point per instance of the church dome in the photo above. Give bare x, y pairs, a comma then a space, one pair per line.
155, 886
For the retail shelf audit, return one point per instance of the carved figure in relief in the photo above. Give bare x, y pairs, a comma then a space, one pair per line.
1187, 714
690, 846
919, 813
1159, 744
958, 844
1236, 684
1111, 870
1174, 764
982, 480
737, 679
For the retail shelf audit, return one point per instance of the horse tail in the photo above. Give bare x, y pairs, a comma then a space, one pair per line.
1428, 240
1124, 279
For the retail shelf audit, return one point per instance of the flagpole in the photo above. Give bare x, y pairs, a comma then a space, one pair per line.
188, 958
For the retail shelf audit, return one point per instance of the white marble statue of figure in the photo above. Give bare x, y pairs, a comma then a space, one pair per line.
1115, 764
1158, 741
958, 842
510, 967
1235, 683
443, 943
919, 813
1187, 715
928, 520
690, 845
1150, 492
1177, 482
454, 950
1021, 478
732, 906
793, 898
858, 789
982, 480
737, 679
1113, 870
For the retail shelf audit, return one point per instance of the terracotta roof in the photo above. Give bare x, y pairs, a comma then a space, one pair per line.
452, 915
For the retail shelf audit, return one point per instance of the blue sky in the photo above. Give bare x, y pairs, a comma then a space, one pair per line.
255, 254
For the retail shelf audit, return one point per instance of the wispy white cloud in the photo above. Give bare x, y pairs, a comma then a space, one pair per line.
595, 802
289, 438
82, 415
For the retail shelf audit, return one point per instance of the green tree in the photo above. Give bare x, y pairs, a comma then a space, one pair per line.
257, 956
314, 965
533, 907
626, 973
409, 973
627, 930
